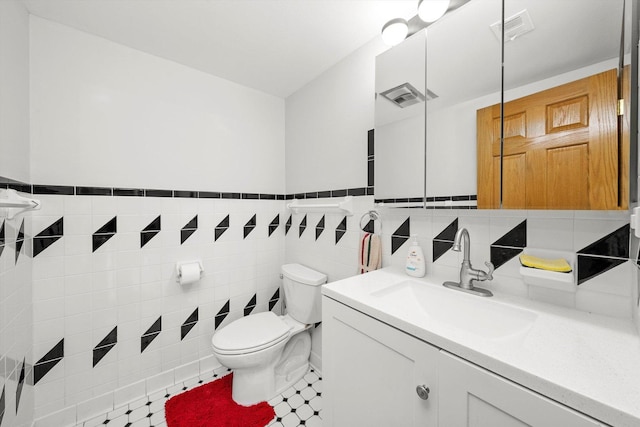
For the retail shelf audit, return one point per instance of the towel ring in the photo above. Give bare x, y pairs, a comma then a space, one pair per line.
371, 215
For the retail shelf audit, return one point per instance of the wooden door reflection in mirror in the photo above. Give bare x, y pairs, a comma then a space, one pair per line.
561, 149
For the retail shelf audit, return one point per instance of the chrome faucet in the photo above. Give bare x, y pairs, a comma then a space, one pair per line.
467, 273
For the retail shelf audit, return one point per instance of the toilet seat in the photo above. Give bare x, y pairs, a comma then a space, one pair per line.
250, 334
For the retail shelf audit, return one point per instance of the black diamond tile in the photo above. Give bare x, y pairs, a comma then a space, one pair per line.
104, 233
250, 226
104, 346
189, 324
320, 227
250, 305
397, 242
591, 266
516, 237
154, 225
2, 237
20, 384
224, 223
48, 361
145, 340
55, 229
404, 230
156, 327
274, 299
274, 224
500, 255
146, 236
193, 317
225, 308
369, 227
57, 352
287, 225
188, 229
97, 240
42, 243
111, 338
303, 226
440, 248
449, 233
100, 352
151, 334
615, 244
221, 227
2, 403
185, 234
222, 314
150, 231
19, 240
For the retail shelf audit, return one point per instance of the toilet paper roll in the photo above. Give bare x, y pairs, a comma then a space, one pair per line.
189, 273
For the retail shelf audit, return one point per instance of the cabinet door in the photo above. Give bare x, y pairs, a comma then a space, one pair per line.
471, 396
371, 370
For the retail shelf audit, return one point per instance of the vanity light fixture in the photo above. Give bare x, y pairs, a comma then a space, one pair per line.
398, 29
432, 10
395, 31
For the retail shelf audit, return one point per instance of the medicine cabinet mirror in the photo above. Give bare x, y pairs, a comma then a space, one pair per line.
561, 144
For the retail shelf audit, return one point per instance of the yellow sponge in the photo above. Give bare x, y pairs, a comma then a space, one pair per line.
560, 264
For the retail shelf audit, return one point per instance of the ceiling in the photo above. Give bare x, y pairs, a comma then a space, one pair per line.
275, 46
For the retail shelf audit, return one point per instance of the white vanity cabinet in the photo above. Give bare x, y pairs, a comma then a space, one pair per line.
371, 371
474, 397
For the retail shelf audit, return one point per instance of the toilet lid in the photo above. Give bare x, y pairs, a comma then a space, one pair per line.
250, 333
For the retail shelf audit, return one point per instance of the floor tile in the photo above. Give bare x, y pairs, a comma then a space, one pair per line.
298, 406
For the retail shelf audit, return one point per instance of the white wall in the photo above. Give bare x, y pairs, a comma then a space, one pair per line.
14, 91
107, 115
326, 149
327, 123
16, 359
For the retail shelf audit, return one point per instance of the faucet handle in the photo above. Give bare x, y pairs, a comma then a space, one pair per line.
489, 264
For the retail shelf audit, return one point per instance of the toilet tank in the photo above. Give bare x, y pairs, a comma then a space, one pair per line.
302, 292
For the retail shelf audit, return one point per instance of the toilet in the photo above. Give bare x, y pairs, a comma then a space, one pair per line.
269, 353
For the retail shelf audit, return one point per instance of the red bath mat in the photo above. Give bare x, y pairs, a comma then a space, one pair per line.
211, 405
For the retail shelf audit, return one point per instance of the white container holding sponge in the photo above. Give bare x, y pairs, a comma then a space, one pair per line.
543, 262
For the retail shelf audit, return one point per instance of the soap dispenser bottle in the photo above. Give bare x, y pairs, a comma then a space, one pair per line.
415, 259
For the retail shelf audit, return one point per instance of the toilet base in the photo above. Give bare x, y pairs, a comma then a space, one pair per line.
253, 385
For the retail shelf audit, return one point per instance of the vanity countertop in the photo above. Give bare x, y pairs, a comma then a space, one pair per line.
588, 362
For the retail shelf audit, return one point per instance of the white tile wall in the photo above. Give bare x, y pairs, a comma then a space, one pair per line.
80, 295
16, 323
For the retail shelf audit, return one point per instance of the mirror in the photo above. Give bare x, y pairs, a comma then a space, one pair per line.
399, 143
463, 70
571, 40
563, 146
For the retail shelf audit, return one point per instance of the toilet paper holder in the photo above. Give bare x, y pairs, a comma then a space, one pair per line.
180, 264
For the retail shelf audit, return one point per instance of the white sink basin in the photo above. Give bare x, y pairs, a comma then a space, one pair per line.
479, 316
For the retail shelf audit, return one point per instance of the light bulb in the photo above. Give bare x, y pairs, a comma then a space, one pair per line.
395, 31
432, 10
